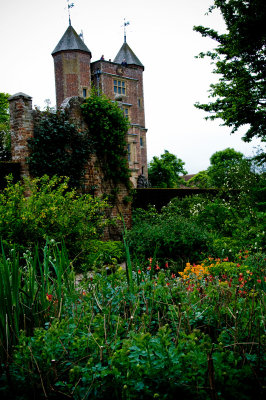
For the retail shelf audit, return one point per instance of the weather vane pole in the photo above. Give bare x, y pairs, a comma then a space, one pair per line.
125, 33
69, 6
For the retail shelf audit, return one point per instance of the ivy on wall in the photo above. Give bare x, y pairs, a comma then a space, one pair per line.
58, 147
108, 128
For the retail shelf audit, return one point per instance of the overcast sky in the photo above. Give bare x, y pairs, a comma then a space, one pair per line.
161, 35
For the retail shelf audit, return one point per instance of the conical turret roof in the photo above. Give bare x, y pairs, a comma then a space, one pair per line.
125, 53
71, 41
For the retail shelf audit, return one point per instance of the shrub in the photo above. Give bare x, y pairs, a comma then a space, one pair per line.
51, 210
173, 235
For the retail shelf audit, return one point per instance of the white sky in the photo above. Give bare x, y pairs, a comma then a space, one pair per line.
161, 35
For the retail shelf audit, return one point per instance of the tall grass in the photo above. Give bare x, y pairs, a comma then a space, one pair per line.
32, 288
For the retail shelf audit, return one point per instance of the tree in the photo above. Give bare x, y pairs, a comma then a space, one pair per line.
5, 140
227, 168
201, 180
164, 171
240, 94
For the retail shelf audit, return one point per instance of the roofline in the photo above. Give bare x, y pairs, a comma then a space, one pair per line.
111, 62
70, 50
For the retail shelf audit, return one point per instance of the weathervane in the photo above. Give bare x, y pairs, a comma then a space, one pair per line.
125, 25
69, 6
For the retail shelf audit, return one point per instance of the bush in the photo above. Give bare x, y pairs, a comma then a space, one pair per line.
50, 210
173, 235
99, 254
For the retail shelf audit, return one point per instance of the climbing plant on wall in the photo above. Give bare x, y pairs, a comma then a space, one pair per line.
108, 128
58, 147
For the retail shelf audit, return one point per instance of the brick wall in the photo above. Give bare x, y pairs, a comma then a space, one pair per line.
133, 100
22, 128
72, 74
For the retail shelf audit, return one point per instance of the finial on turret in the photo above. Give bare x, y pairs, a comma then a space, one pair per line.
69, 6
125, 34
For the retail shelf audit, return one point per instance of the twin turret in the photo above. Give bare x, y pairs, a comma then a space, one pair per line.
120, 80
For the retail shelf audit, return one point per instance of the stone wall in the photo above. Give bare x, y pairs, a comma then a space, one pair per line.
22, 119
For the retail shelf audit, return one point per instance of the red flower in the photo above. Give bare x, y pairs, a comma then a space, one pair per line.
167, 283
149, 268
139, 271
49, 297
173, 276
166, 264
259, 280
157, 267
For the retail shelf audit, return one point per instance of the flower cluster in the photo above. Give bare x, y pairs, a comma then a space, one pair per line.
194, 271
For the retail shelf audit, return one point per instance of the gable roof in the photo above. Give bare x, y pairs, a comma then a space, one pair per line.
71, 41
126, 53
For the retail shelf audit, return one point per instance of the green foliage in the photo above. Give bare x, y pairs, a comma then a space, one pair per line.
4, 106
174, 236
201, 180
33, 289
5, 139
164, 171
239, 95
228, 169
99, 254
169, 338
51, 210
108, 128
58, 147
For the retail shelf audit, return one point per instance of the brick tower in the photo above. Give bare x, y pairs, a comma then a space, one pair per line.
72, 67
120, 80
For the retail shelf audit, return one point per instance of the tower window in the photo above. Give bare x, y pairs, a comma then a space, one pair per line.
128, 150
84, 91
141, 141
139, 103
119, 87
125, 112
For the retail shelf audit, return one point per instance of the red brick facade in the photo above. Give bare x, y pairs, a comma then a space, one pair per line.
72, 74
104, 75
21, 127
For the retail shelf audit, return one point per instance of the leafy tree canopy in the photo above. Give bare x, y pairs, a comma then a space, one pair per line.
5, 141
164, 171
226, 165
200, 180
4, 106
239, 97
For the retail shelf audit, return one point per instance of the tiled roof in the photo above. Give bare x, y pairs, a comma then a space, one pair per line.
71, 41
126, 53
